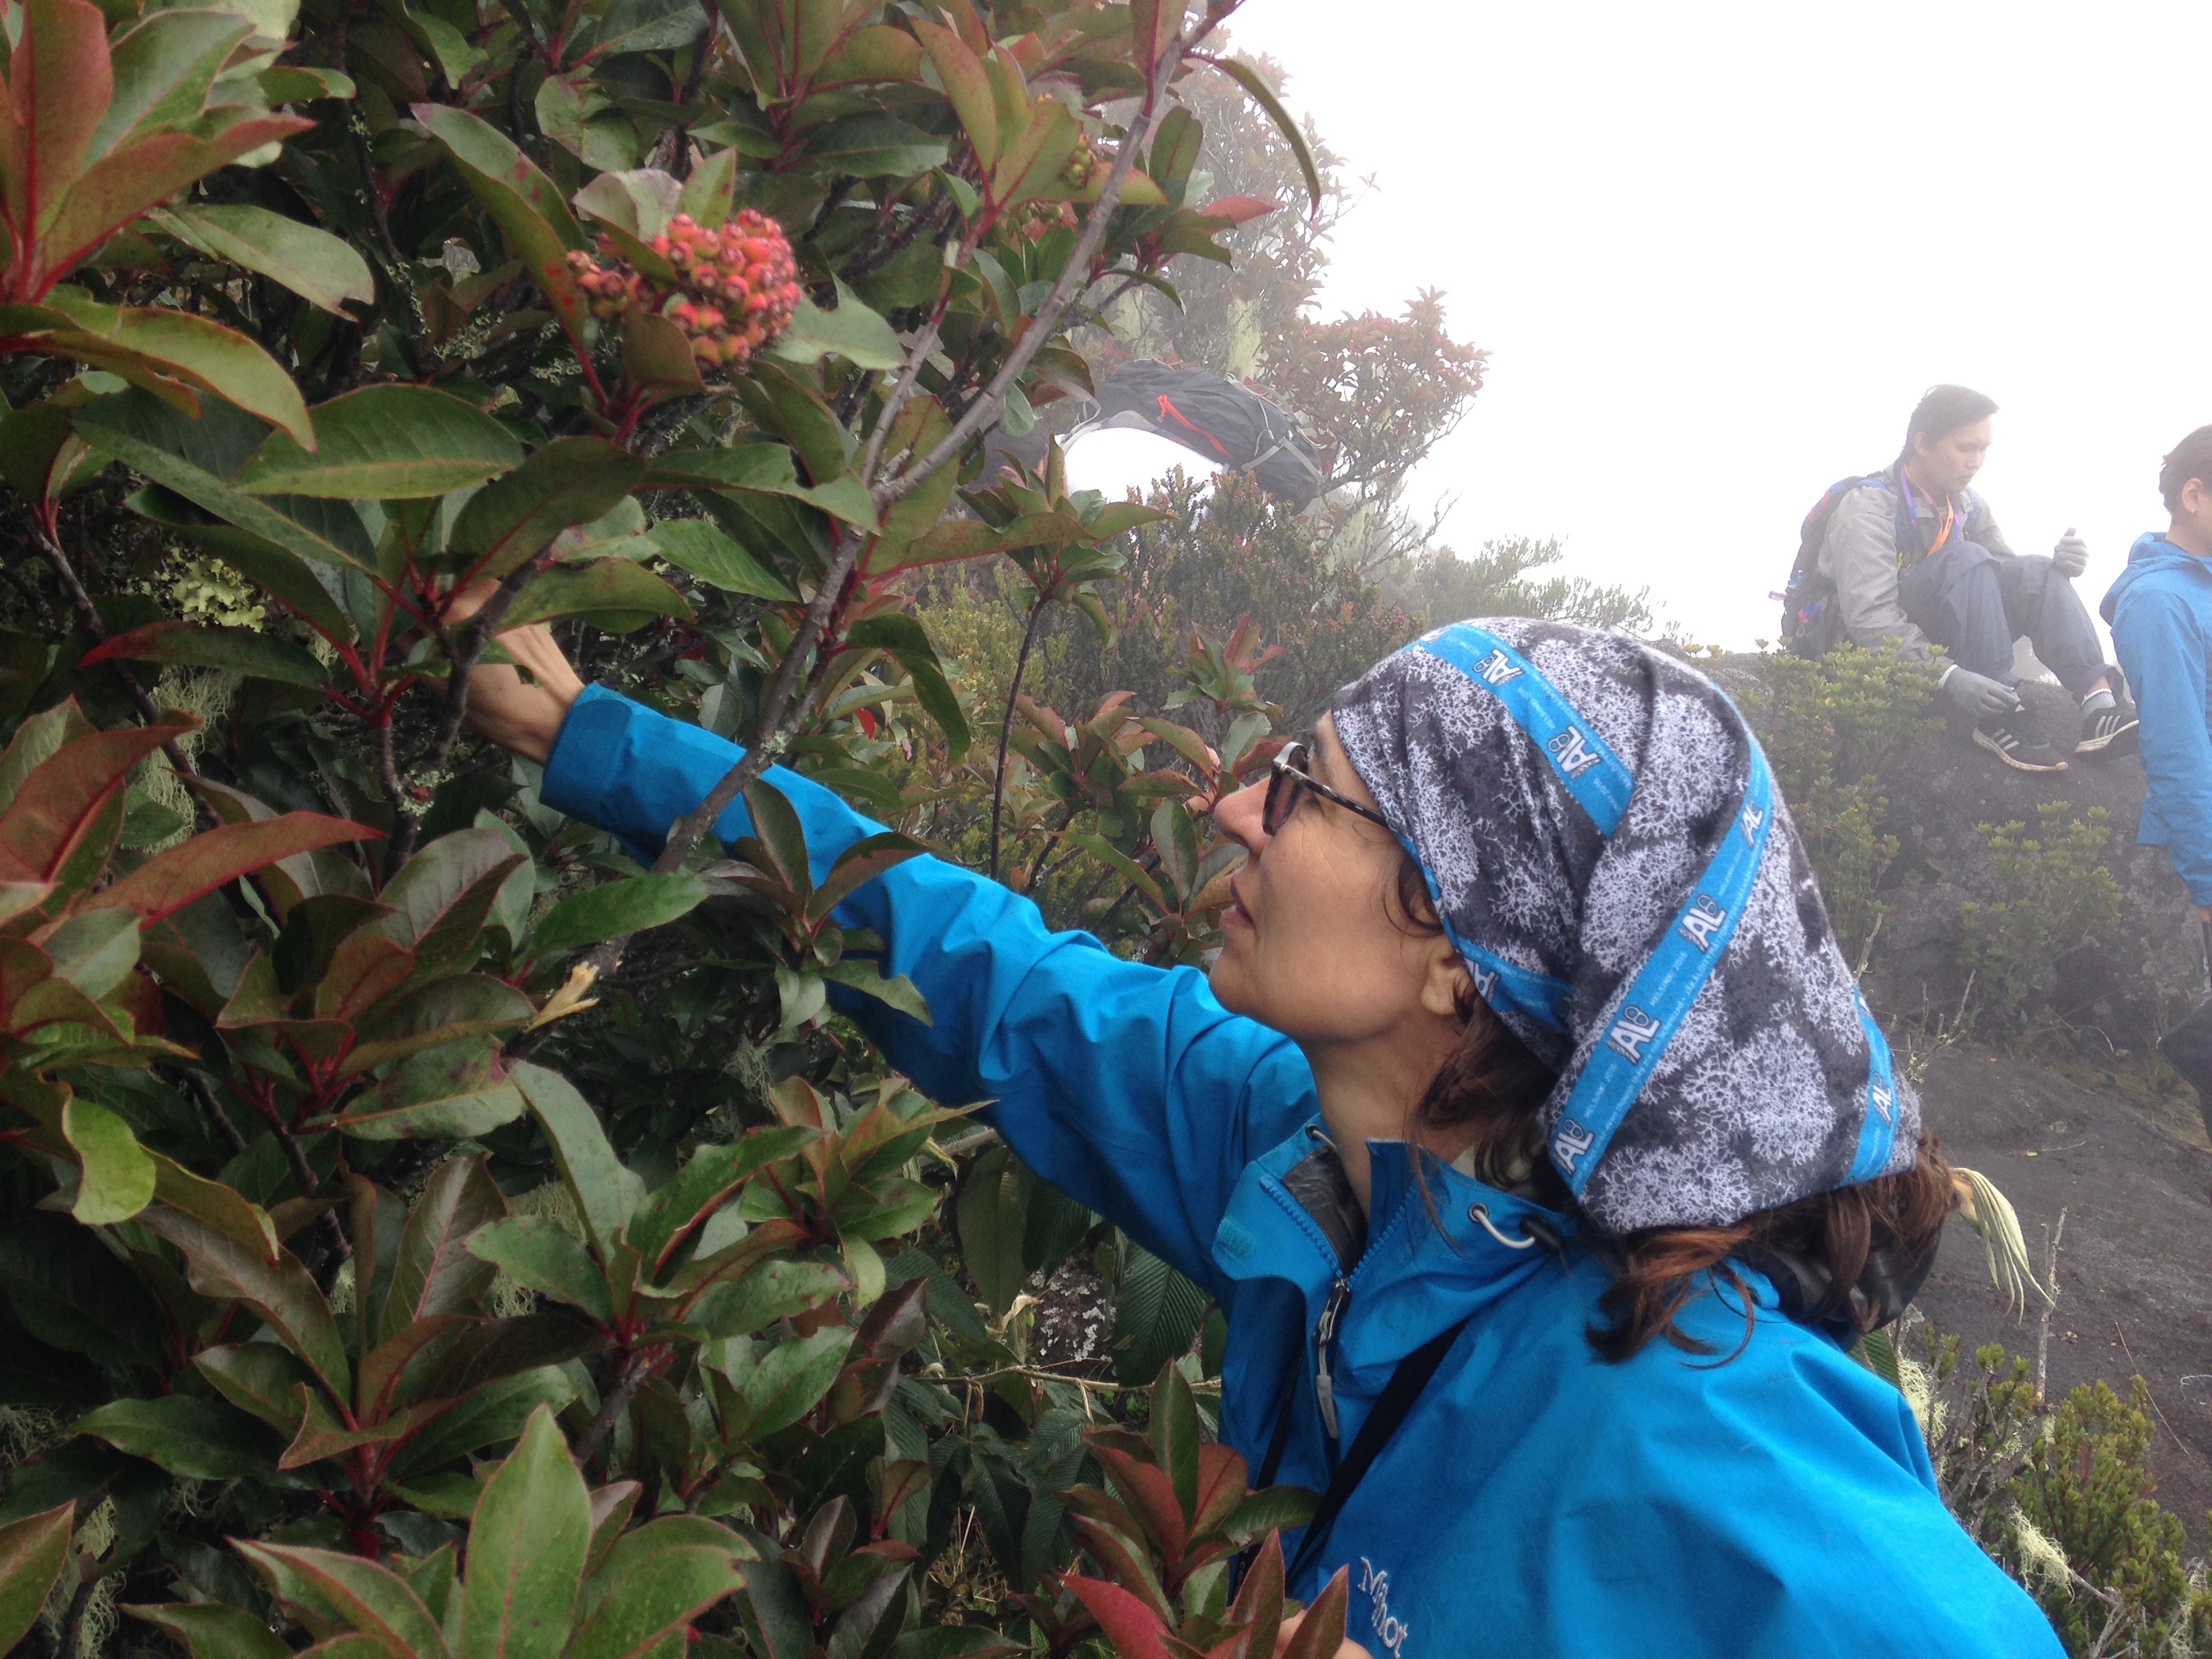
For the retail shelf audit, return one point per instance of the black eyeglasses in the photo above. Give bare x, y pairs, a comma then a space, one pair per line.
1291, 778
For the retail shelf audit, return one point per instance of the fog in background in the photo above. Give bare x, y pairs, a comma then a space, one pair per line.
1717, 253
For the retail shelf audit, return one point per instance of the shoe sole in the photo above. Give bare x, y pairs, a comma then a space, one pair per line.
1983, 740
2122, 742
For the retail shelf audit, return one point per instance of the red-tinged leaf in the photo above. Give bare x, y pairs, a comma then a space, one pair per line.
526, 1547
1147, 1489
965, 85
1238, 209
62, 85
1259, 1604
433, 1273
321, 1435
1220, 1488
65, 792
221, 1207
169, 881
1133, 1629
1321, 1627
347, 1592
282, 1293
184, 348
380, 1370
1127, 1559
364, 969
32, 1551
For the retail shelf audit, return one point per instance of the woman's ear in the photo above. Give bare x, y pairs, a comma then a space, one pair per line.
1446, 985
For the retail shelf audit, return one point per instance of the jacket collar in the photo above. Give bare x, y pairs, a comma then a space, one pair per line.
1418, 1268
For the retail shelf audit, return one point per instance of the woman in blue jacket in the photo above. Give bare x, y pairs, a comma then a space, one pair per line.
1529, 1075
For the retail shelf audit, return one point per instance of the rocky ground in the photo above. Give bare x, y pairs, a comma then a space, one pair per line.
2135, 1267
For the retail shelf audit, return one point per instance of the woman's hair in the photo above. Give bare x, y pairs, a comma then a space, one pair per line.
1493, 1085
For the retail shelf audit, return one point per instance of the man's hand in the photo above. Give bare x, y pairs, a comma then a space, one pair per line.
2071, 556
518, 714
1977, 695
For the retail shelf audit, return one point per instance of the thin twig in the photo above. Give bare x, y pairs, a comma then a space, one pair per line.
2051, 1237
1007, 727
197, 1087
2194, 1454
635, 1373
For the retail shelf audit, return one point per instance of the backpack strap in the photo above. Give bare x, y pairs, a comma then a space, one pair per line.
1391, 1409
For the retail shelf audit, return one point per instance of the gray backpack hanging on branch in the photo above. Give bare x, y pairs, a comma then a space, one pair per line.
1223, 421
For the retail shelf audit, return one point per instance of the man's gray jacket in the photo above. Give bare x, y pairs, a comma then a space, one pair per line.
1860, 555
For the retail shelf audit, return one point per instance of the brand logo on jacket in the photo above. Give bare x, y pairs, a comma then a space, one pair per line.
1572, 749
1390, 1632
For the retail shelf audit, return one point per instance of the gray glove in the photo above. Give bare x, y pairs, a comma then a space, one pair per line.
1977, 695
2071, 556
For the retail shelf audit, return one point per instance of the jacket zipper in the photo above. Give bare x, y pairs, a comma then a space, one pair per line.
1332, 1314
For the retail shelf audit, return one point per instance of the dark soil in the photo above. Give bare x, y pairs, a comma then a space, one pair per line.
2135, 1270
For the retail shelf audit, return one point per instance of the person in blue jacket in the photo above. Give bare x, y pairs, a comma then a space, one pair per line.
1531, 1087
2160, 613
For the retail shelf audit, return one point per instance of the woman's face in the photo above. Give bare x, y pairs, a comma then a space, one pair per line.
1314, 945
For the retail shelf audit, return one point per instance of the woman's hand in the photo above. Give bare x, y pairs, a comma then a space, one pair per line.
516, 714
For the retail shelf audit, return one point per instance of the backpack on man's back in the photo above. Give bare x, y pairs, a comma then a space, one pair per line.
1811, 621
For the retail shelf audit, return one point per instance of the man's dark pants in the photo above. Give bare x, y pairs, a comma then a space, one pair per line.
1975, 605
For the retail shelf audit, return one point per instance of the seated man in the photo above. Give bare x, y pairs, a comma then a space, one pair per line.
1915, 555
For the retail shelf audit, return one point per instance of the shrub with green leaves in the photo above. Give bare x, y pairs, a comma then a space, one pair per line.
1834, 727
2058, 896
425, 1229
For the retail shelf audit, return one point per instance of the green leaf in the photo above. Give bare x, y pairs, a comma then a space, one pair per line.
1245, 75
434, 1273
966, 85
214, 1630
323, 270
349, 1593
989, 1218
196, 1438
466, 1004
526, 1549
258, 1377
744, 1303
493, 1413
525, 205
180, 347
543, 1256
852, 331
873, 146
1156, 1315
654, 1601
668, 1218
153, 440
386, 442
454, 1089
282, 1293
787, 1381
118, 1177
570, 481
32, 1551
606, 1192
258, 656
616, 906
714, 557
625, 594
440, 900
74, 1297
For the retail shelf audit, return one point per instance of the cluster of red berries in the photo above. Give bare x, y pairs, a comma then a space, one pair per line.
736, 288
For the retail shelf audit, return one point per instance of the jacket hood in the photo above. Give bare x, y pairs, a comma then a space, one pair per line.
2152, 552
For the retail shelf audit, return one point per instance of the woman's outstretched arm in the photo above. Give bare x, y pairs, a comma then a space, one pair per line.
1127, 1086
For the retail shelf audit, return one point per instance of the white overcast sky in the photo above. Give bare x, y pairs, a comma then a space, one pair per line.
1718, 250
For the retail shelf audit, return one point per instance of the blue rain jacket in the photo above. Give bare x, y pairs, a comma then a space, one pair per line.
1538, 1501
2160, 613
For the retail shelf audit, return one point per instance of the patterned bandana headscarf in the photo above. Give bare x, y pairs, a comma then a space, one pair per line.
1605, 846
